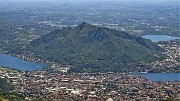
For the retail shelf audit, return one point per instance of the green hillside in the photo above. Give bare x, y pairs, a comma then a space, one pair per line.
6, 93
4, 86
3, 99
90, 48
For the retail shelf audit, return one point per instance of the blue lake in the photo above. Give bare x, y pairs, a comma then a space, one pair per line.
17, 63
156, 38
161, 76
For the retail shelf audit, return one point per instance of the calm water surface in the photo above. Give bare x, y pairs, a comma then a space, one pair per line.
161, 76
156, 38
17, 63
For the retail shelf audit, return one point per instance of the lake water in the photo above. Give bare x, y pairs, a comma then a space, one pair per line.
156, 38
17, 63
161, 76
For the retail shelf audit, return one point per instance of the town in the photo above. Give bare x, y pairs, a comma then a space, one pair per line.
55, 84
171, 63
22, 22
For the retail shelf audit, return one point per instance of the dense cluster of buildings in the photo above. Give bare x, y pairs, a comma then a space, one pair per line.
57, 86
171, 63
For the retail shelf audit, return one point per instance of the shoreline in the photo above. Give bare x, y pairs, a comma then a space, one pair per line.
30, 58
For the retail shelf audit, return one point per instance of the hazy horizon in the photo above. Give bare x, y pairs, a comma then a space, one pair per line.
140, 1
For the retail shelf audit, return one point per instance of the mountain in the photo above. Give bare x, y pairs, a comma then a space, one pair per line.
90, 48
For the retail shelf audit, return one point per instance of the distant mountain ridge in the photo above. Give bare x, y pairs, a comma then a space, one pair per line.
90, 48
